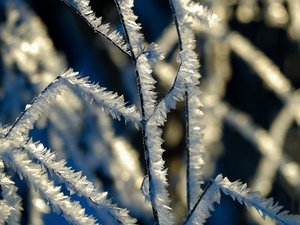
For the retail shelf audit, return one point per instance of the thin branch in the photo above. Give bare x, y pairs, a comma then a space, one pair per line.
191, 212
189, 69
95, 23
174, 94
266, 207
35, 174
77, 183
151, 133
110, 102
10, 203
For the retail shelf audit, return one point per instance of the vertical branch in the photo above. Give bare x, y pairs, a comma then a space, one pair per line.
190, 67
151, 132
187, 146
187, 142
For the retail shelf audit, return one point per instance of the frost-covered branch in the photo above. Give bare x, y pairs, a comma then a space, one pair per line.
38, 208
204, 205
5, 212
202, 14
10, 203
264, 67
238, 191
266, 207
124, 167
76, 182
83, 8
189, 68
135, 39
151, 133
39, 107
35, 110
109, 101
36, 176
176, 93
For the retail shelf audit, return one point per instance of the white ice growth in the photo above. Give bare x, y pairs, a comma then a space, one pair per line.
238, 191
132, 28
84, 9
40, 106
76, 182
204, 206
36, 176
109, 101
202, 14
10, 203
266, 207
189, 74
152, 133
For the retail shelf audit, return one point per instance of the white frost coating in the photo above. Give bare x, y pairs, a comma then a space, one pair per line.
185, 73
147, 84
39, 107
38, 207
76, 182
11, 204
109, 101
34, 111
84, 9
201, 13
187, 76
143, 67
202, 209
135, 37
176, 92
158, 180
124, 167
266, 207
195, 146
264, 67
152, 134
5, 212
72, 211
190, 67
238, 191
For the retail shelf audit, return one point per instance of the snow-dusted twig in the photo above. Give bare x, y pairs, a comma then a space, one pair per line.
109, 101
151, 132
266, 207
189, 68
36, 176
83, 8
39, 107
238, 191
10, 203
76, 182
